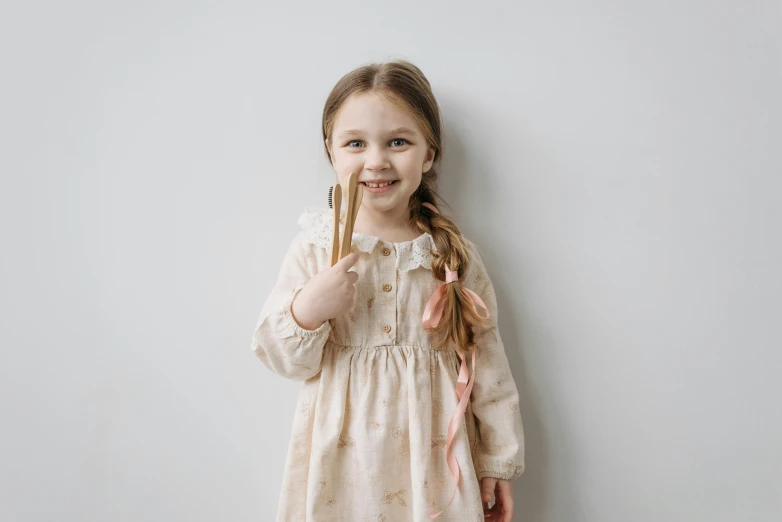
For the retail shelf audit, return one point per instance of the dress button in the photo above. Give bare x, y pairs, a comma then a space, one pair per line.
387, 287
386, 252
386, 328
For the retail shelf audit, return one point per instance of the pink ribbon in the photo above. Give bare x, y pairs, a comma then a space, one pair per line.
434, 307
432, 315
463, 389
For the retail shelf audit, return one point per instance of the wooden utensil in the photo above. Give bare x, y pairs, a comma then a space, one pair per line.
347, 231
359, 198
353, 195
336, 195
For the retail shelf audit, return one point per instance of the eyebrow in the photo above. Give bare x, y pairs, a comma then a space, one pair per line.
355, 132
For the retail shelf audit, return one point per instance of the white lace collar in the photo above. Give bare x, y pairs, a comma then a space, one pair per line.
318, 223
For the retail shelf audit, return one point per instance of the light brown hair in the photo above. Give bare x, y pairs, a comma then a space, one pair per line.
405, 84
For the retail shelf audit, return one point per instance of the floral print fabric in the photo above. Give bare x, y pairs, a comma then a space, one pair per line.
369, 433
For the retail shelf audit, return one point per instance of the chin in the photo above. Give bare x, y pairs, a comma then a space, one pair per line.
378, 206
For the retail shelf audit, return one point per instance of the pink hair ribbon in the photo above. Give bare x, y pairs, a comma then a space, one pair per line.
432, 315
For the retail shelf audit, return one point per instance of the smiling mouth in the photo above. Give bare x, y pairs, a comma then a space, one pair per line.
378, 185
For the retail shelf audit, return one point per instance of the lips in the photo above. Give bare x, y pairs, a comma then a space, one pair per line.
378, 183
382, 189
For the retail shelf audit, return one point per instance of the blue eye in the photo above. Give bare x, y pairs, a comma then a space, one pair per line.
400, 142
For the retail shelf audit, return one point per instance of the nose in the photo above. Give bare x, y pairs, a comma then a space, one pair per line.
376, 159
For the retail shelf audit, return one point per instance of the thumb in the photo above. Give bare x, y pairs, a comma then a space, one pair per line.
487, 488
346, 262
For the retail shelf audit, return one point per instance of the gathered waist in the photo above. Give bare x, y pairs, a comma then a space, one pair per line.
389, 346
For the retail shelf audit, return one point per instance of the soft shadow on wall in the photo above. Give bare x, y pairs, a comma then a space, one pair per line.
469, 181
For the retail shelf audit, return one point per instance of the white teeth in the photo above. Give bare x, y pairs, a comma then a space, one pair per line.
374, 185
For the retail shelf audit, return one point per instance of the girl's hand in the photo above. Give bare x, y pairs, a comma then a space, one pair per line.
327, 294
502, 510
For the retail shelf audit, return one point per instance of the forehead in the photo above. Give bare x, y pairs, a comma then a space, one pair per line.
373, 112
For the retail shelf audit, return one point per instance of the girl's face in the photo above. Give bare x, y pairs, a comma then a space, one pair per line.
381, 142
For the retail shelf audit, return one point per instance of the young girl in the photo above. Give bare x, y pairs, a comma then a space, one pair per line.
388, 427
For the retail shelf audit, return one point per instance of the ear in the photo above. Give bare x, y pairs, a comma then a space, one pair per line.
428, 160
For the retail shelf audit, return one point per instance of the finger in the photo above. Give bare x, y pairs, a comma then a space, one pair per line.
487, 488
352, 276
346, 262
506, 499
494, 513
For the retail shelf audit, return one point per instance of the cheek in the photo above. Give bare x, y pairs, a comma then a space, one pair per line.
344, 156
411, 166
345, 163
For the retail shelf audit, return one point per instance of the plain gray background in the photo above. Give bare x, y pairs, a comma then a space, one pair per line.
618, 162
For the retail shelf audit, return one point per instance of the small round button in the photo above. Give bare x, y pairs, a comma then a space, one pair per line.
386, 328
386, 251
387, 287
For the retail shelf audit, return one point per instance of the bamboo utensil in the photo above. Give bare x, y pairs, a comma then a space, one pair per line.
354, 194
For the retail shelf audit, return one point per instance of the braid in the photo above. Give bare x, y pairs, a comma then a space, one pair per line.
460, 319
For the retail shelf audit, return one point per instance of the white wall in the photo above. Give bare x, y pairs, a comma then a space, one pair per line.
618, 162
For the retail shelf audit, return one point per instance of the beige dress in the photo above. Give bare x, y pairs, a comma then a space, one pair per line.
370, 425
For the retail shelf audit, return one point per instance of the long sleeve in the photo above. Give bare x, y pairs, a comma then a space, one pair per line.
499, 448
285, 347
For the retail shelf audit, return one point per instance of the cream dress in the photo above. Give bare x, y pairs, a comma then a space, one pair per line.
369, 432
